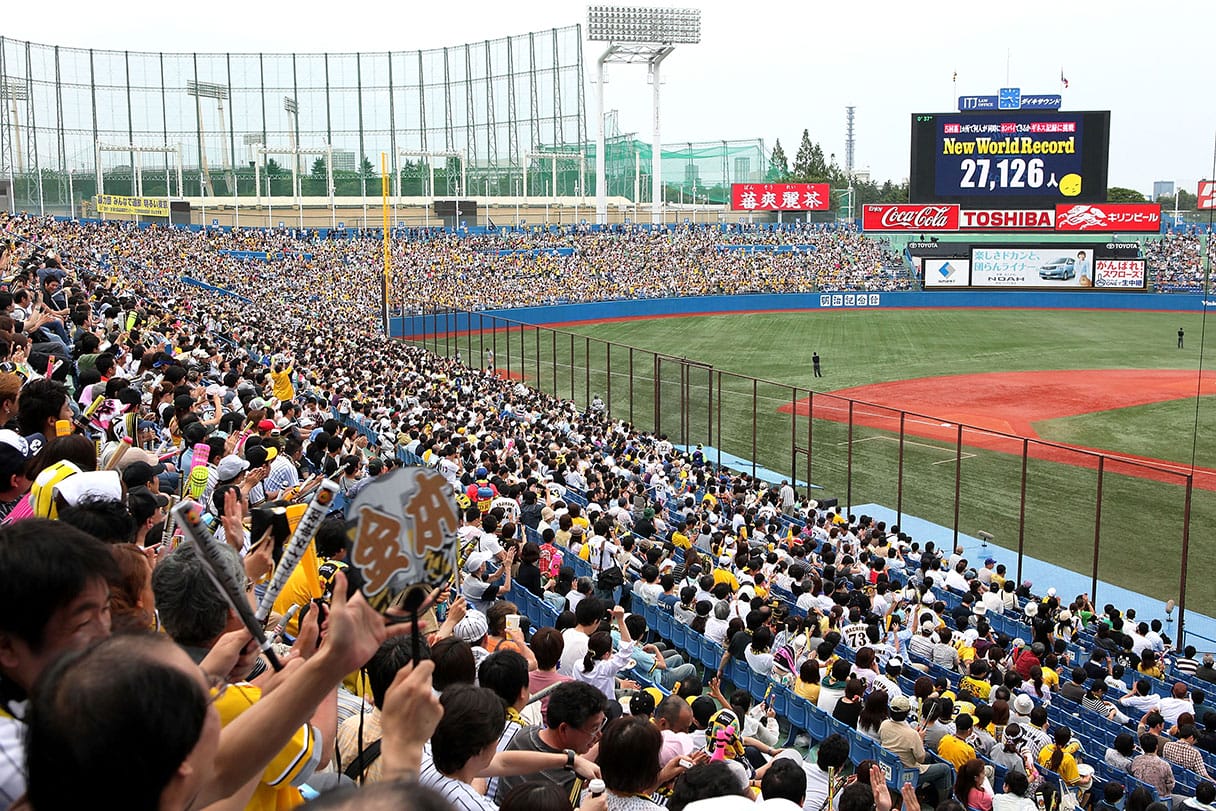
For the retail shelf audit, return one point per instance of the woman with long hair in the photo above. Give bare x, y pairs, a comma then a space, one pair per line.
970, 788
1035, 685
874, 710
1058, 759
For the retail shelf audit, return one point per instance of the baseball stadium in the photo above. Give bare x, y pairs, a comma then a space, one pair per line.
420, 369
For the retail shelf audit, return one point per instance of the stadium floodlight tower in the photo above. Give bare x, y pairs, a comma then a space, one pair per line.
636, 36
219, 92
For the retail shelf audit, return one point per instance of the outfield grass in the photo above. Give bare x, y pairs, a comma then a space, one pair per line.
1141, 520
1160, 430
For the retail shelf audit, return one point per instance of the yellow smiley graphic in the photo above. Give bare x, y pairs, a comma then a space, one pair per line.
1070, 185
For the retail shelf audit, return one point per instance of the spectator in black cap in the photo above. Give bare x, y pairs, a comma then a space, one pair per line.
147, 507
142, 474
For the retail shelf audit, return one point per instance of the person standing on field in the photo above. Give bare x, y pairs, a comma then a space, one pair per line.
1180, 334
819, 370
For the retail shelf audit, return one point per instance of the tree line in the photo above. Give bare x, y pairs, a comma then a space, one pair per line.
810, 166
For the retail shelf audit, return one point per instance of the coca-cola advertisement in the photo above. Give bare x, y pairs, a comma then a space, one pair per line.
1107, 217
909, 217
780, 196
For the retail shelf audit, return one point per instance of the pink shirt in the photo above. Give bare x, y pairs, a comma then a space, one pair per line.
979, 798
539, 680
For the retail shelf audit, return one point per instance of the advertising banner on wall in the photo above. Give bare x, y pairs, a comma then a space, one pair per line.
1100, 217
1063, 267
946, 272
908, 217
780, 196
143, 206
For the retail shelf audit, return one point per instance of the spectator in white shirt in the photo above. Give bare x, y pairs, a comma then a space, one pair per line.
1175, 704
1140, 698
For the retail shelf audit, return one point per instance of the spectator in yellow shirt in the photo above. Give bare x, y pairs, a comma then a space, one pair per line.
954, 748
807, 684
679, 539
280, 378
1058, 759
723, 574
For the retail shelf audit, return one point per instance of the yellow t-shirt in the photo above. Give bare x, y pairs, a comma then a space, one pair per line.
806, 690
1068, 766
725, 576
955, 751
281, 381
976, 687
278, 789
680, 540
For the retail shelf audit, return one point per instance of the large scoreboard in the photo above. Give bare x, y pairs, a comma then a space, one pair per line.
1013, 159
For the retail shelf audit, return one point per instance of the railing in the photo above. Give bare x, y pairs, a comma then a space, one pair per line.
1113, 519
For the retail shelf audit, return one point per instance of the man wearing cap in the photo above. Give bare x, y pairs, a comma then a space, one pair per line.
985, 574
473, 628
148, 509
229, 470
900, 738
480, 590
143, 474
259, 458
14, 454
1207, 668
723, 573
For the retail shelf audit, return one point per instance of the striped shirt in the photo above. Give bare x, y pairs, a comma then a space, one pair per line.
460, 796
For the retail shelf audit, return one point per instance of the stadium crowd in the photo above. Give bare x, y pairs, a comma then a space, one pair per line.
811, 659
1176, 262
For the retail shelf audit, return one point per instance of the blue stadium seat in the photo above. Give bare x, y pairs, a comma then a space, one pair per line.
860, 747
737, 672
664, 623
680, 635
897, 773
817, 722
757, 684
780, 698
797, 711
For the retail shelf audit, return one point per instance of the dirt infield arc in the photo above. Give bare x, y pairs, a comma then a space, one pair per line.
1009, 403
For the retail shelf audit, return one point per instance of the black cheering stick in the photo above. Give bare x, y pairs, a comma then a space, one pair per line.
189, 517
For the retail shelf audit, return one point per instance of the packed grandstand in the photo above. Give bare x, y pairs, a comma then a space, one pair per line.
634, 628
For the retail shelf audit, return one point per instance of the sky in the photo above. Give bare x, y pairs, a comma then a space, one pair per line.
769, 70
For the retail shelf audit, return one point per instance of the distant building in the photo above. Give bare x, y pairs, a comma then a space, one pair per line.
1163, 188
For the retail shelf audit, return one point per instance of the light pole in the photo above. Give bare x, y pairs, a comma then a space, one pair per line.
219, 92
293, 115
644, 36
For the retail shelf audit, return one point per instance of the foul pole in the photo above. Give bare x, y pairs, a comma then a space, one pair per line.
388, 260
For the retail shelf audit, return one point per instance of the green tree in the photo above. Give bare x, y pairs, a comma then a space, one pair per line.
1118, 194
318, 169
809, 164
778, 165
366, 169
272, 168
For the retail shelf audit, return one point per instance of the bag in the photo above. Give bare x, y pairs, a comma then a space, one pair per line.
610, 579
